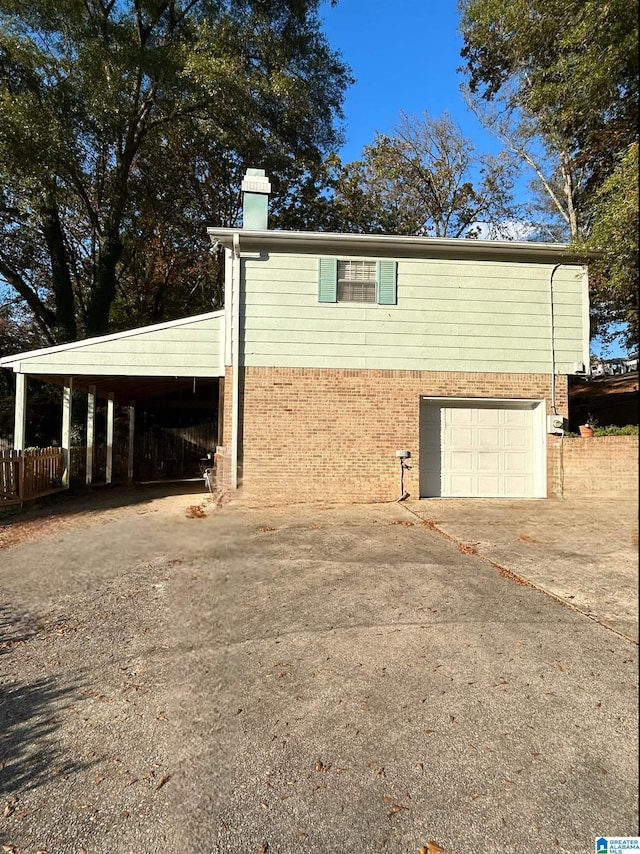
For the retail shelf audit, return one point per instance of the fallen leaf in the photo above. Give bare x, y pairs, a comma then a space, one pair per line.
397, 807
163, 780
433, 848
466, 550
194, 512
387, 799
262, 849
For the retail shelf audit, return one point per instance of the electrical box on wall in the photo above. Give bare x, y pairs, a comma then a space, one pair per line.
556, 424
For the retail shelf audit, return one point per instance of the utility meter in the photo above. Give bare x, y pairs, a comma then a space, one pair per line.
556, 425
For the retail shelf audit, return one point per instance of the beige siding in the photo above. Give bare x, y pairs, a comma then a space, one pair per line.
452, 316
189, 348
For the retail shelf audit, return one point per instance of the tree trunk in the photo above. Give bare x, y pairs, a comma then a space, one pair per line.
104, 289
65, 315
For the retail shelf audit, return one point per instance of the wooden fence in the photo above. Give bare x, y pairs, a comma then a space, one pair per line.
25, 475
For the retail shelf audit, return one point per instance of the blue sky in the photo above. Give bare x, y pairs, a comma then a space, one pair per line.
404, 57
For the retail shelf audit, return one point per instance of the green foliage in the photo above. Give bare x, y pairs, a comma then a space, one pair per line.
611, 430
571, 64
125, 128
614, 277
569, 69
627, 430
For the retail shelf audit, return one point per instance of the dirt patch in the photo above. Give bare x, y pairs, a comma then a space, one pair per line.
64, 512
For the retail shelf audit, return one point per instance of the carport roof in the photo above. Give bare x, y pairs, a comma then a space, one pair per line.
138, 363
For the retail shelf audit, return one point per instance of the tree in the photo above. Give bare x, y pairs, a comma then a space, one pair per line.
118, 117
614, 233
423, 179
571, 64
567, 70
558, 183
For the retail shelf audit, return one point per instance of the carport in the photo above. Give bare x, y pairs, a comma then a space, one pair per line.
164, 365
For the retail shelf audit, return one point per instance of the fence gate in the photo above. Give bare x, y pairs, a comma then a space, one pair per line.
25, 475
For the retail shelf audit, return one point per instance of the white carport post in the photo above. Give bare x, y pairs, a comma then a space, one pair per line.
91, 431
110, 415
20, 413
132, 431
67, 393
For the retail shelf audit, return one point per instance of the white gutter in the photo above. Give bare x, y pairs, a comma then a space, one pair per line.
381, 244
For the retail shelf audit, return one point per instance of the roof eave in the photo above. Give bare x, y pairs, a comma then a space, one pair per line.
398, 245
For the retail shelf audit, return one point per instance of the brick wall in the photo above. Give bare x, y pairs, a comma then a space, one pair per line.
328, 434
603, 466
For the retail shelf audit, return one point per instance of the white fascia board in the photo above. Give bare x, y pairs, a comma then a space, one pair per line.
13, 362
398, 245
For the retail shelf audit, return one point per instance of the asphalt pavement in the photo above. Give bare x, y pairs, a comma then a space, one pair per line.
439, 675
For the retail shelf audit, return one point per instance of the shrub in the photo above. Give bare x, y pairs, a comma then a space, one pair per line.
627, 430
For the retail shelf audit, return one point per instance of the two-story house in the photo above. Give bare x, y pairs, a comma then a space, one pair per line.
342, 350
336, 352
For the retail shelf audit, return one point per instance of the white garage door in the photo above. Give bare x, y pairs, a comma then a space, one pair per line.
485, 450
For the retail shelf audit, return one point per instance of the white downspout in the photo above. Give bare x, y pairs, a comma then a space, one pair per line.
235, 358
553, 341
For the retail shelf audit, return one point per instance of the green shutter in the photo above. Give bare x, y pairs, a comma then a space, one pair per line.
327, 280
386, 287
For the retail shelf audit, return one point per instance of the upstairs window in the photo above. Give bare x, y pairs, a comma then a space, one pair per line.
357, 281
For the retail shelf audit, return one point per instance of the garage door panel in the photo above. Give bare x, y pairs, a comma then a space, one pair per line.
488, 485
517, 417
458, 436
483, 450
488, 437
516, 486
488, 461
489, 417
456, 416
462, 461
516, 438
515, 463
460, 485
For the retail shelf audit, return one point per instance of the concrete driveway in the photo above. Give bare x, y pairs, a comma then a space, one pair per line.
437, 675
